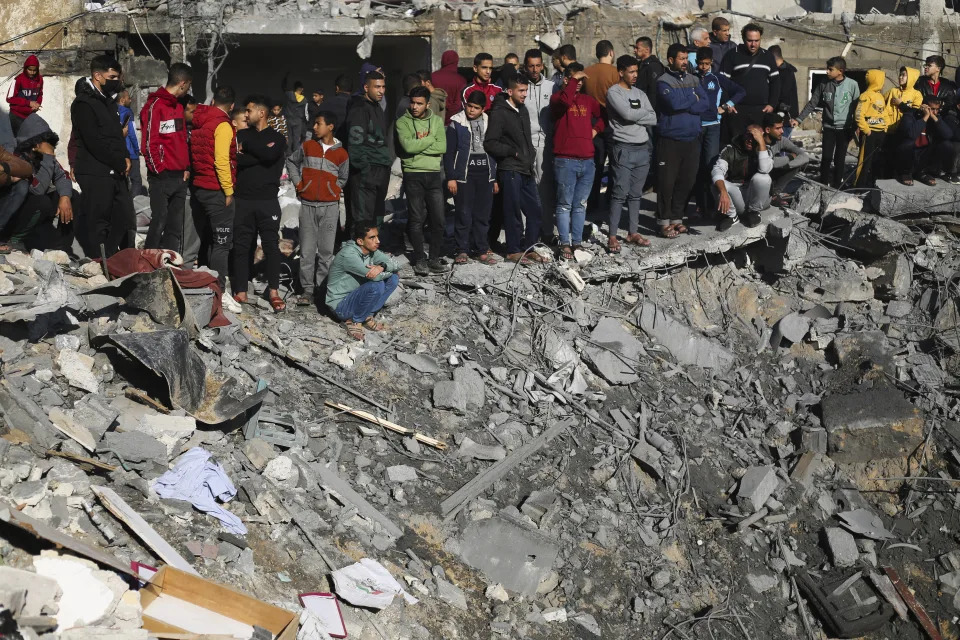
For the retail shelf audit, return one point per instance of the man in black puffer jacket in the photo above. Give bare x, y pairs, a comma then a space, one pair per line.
509, 140
102, 163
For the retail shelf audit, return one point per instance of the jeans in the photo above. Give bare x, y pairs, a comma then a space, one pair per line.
108, 208
168, 198
709, 152
318, 234
574, 181
424, 200
520, 200
630, 163
753, 196
367, 299
473, 202
678, 161
218, 218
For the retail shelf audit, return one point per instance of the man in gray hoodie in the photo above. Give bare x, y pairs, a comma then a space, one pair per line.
630, 113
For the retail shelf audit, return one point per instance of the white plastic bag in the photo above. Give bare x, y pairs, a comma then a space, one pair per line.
368, 584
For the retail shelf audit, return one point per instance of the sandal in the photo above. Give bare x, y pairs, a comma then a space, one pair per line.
533, 256
908, 182
241, 298
487, 257
519, 258
374, 325
277, 303
669, 232
354, 329
566, 252
637, 239
680, 228
928, 180
461, 258
613, 244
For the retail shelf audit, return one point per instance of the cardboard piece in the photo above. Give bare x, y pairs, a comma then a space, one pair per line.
217, 598
327, 608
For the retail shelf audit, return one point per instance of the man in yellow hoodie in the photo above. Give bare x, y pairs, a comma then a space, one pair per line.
872, 123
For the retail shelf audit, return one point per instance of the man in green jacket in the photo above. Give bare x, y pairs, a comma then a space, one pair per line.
423, 142
361, 279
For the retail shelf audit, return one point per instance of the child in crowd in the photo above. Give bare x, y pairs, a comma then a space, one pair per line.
25, 95
277, 119
872, 123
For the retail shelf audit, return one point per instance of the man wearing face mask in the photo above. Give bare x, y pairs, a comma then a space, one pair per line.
102, 162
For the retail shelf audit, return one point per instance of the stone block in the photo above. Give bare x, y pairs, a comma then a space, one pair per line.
756, 486
617, 362
868, 235
471, 449
686, 345
843, 547
870, 424
401, 473
41, 591
897, 277
510, 555
134, 446
466, 392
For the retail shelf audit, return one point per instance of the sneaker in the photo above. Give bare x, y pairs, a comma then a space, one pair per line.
954, 178
727, 222
305, 300
421, 268
436, 266
752, 219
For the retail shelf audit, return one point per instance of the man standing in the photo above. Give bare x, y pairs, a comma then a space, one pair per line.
629, 113
541, 132
649, 68
260, 155
102, 162
337, 105
754, 69
294, 112
577, 117
369, 155
508, 140
511, 64
314, 107
699, 37
597, 81
564, 55
788, 106
213, 156
168, 158
133, 145
449, 79
680, 103
741, 179
422, 143
720, 41
482, 80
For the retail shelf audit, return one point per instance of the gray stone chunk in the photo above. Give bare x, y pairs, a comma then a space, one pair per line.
401, 473
466, 392
515, 557
794, 327
756, 486
761, 582
471, 449
843, 547
892, 198
451, 594
686, 345
897, 277
616, 363
134, 446
28, 493
420, 362
871, 424
259, 452
868, 235
40, 590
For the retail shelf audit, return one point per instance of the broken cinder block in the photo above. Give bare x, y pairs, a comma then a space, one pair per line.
756, 487
870, 424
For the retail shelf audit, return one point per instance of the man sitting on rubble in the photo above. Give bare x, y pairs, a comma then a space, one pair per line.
924, 144
788, 158
361, 279
741, 179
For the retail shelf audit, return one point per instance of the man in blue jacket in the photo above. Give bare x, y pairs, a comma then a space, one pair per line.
133, 147
680, 103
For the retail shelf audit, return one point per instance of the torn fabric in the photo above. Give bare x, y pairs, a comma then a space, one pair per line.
201, 481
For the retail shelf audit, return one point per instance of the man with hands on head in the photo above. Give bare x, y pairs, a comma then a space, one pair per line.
741, 179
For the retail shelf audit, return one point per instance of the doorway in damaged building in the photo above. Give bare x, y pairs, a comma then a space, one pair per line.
258, 63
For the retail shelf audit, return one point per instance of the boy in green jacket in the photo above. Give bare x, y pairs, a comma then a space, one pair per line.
423, 142
361, 279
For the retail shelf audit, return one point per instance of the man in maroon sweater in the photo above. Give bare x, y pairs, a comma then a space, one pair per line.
577, 119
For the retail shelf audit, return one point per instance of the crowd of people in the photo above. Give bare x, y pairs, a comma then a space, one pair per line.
516, 150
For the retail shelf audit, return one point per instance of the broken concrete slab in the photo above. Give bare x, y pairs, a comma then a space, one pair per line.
687, 346
134, 446
871, 424
259, 452
77, 368
894, 283
756, 487
470, 449
400, 473
843, 547
508, 554
466, 392
892, 198
419, 362
617, 356
866, 234
41, 591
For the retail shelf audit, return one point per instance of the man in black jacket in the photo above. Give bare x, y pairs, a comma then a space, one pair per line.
102, 162
508, 139
295, 111
720, 41
366, 140
932, 83
260, 155
649, 69
754, 69
924, 144
789, 101
337, 105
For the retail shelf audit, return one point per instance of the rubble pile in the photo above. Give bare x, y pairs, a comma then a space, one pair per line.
748, 442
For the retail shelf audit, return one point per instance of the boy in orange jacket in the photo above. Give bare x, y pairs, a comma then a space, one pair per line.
320, 168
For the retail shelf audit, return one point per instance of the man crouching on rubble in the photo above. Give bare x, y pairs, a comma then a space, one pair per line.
741, 179
361, 279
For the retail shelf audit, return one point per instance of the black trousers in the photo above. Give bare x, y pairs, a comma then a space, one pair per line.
473, 202
218, 223
913, 161
253, 217
868, 162
367, 190
834, 155
108, 208
35, 211
424, 200
601, 146
678, 162
168, 198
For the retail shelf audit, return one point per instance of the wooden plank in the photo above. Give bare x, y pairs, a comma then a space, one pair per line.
77, 433
10, 515
329, 478
386, 424
452, 505
125, 514
82, 459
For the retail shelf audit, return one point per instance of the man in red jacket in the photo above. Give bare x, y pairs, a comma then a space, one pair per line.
168, 158
26, 93
449, 79
482, 80
577, 119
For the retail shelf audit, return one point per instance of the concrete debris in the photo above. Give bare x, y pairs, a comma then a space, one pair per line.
613, 352
843, 547
466, 392
756, 487
470, 449
868, 235
685, 345
507, 554
420, 362
870, 424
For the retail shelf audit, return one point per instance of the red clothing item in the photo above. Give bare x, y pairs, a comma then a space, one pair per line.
487, 88
206, 119
25, 90
575, 116
449, 79
164, 133
934, 87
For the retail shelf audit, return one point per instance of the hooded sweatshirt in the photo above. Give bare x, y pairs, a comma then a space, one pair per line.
367, 131
486, 88
575, 115
909, 98
25, 90
49, 176
164, 133
837, 99
449, 79
422, 143
872, 108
